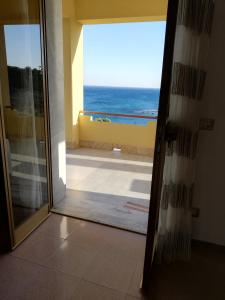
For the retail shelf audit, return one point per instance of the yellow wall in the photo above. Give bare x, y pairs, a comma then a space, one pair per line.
73, 72
102, 11
126, 136
77, 77
23, 126
67, 79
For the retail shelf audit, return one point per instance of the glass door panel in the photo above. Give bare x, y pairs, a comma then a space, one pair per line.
24, 111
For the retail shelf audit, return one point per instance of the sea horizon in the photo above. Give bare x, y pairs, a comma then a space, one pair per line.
123, 87
125, 100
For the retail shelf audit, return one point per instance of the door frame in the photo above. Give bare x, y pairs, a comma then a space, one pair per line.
44, 59
28, 226
7, 190
160, 149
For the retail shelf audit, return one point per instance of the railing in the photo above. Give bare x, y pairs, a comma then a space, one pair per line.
117, 115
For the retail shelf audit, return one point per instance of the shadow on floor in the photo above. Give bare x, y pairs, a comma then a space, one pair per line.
200, 278
110, 154
141, 186
108, 187
120, 211
98, 164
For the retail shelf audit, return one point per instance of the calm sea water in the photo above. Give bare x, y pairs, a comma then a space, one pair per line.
136, 101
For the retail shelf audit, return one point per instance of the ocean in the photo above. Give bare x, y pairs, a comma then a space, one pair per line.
136, 101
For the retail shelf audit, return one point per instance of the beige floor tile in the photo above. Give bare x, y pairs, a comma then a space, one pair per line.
110, 274
127, 243
24, 280
141, 297
16, 268
91, 291
15, 276
111, 270
38, 250
51, 285
71, 259
92, 236
12, 289
103, 237
58, 226
135, 283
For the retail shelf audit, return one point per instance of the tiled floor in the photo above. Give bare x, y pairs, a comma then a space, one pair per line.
71, 259
108, 186
68, 259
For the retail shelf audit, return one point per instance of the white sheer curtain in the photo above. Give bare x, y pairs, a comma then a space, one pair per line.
27, 190
188, 79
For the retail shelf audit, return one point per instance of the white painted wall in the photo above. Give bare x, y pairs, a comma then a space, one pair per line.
56, 96
210, 181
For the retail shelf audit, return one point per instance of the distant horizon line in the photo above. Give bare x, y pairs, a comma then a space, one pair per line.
122, 87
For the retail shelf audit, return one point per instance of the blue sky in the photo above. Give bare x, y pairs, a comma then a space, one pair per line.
23, 45
128, 55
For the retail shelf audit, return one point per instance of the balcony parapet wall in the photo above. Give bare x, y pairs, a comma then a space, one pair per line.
130, 138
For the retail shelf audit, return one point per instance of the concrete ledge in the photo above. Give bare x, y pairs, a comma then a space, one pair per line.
72, 145
124, 148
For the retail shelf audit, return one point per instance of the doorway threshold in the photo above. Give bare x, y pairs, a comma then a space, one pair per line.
108, 188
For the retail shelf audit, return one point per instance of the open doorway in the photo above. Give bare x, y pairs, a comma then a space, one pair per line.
109, 170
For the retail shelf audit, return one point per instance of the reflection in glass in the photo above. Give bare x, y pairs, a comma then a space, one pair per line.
24, 119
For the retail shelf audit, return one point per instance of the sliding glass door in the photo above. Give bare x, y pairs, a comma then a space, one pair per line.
24, 115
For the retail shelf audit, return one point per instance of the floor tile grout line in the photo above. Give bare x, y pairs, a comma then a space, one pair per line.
106, 286
34, 262
103, 286
69, 273
130, 280
47, 267
95, 221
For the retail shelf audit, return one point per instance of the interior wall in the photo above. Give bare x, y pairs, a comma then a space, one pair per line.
56, 96
97, 11
210, 176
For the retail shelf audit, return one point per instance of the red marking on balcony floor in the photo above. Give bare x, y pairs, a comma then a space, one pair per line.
133, 206
137, 205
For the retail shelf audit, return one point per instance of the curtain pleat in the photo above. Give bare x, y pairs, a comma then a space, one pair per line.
192, 42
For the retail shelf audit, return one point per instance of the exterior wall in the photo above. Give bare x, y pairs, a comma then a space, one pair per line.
77, 77
130, 138
67, 80
101, 11
15, 121
73, 73
210, 176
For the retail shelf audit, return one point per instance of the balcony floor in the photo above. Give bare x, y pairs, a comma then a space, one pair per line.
109, 187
